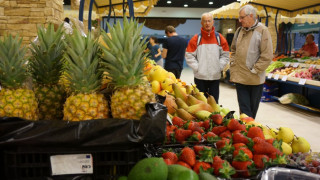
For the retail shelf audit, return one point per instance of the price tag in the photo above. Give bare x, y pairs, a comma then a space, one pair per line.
287, 65
284, 78
313, 65
276, 77
169, 119
270, 75
302, 81
71, 164
295, 65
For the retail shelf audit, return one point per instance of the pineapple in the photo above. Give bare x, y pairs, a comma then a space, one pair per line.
15, 99
84, 77
46, 67
124, 60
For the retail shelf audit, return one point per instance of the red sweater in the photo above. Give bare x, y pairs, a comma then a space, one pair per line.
311, 48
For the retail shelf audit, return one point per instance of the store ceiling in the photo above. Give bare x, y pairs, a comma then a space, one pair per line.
194, 3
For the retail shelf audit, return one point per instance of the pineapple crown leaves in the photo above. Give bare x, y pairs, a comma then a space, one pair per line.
124, 58
47, 61
82, 63
13, 71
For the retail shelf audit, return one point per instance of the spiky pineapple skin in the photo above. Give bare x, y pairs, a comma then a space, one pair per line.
129, 102
86, 107
18, 103
51, 99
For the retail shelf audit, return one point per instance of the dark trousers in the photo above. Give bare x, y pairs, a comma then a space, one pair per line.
249, 98
208, 87
176, 72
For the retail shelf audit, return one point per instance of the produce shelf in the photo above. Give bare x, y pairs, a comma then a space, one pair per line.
308, 108
295, 81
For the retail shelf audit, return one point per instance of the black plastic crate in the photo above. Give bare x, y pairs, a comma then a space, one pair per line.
34, 163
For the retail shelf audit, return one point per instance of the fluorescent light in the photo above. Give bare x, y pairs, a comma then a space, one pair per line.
186, 5
168, 2
239, 0
210, 2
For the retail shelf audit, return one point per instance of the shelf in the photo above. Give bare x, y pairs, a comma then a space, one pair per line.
295, 81
312, 109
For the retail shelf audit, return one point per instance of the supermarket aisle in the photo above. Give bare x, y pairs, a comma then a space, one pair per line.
273, 114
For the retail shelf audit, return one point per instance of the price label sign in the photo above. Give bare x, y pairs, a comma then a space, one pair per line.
284, 78
302, 81
270, 75
313, 66
71, 164
169, 119
276, 77
295, 65
287, 65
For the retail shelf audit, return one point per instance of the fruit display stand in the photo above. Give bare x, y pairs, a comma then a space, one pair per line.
307, 87
115, 145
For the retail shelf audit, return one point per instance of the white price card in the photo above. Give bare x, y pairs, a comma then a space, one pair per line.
284, 78
270, 75
276, 77
295, 65
287, 64
71, 164
302, 81
313, 66
169, 119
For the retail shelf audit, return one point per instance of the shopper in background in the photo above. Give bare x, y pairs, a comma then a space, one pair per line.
155, 51
207, 54
174, 49
309, 48
251, 54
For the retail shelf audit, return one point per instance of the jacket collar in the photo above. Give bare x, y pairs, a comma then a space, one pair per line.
206, 33
256, 24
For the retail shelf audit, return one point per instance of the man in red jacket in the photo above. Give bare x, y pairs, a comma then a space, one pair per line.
309, 48
207, 54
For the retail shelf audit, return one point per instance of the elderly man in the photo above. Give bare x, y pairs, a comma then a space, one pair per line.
207, 54
309, 48
251, 54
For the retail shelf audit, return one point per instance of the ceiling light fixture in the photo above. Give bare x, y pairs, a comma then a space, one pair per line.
210, 2
168, 2
186, 5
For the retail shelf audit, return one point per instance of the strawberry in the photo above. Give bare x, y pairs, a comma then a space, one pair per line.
221, 143
270, 141
219, 129
239, 145
263, 147
168, 161
181, 135
255, 131
204, 166
177, 121
200, 123
170, 155
193, 126
280, 159
226, 134
234, 124
188, 156
171, 127
169, 135
183, 164
216, 119
244, 167
275, 155
245, 151
211, 137
198, 148
240, 138
207, 124
196, 136
247, 119
259, 160
206, 153
222, 168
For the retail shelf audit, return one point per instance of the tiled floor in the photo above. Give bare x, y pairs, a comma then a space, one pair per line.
273, 114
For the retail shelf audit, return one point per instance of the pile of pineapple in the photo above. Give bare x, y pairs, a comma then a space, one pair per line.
67, 73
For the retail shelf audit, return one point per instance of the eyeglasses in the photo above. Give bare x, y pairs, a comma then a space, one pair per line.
242, 17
